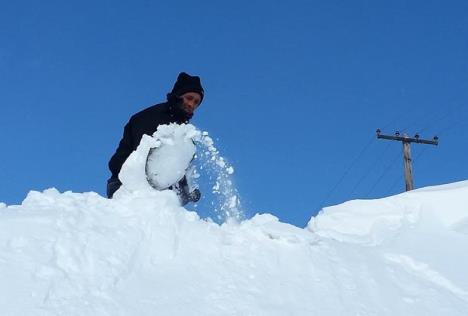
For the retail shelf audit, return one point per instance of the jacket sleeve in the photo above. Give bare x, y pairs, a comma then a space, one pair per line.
123, 151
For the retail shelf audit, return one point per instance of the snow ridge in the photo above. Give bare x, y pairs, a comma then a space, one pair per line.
82, 254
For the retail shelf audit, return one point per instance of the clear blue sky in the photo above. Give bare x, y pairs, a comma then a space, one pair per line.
294, 92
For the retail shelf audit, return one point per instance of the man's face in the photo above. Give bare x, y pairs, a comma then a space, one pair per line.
190, 101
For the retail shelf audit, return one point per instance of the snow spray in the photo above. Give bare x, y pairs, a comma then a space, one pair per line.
227, 204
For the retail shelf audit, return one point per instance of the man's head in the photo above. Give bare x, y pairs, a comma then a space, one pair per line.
187, 92
190, 101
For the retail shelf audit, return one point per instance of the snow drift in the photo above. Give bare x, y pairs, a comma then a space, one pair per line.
143, 254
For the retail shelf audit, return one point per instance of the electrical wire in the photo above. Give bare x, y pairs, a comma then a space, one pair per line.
443, 114
451, 127
387, 168
358, 157
371, 169
393, 185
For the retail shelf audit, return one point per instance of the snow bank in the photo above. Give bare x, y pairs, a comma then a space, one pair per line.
143, 254
372, 221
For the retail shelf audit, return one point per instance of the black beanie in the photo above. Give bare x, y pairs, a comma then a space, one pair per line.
186, 83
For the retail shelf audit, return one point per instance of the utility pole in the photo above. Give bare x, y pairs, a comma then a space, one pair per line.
406, 140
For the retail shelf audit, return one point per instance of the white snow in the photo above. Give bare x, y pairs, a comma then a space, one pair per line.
166, 165
372, 221
142, 254
168, 162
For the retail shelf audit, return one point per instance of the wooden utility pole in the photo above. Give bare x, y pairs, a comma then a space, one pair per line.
406, 140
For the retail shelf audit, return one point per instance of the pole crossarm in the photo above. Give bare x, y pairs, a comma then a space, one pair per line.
408, 139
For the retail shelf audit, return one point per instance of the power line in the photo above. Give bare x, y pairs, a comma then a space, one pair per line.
393, 185
353, 163
369, 170
452, 126
387, 168
444, 114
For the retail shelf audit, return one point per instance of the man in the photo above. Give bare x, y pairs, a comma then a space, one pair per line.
182, 101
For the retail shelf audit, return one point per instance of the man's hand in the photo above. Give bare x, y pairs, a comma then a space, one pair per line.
193, 196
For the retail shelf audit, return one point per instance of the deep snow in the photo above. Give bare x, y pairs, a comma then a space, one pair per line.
142, 254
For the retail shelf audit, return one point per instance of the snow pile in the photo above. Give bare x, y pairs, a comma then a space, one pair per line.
143, 254
373, 221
